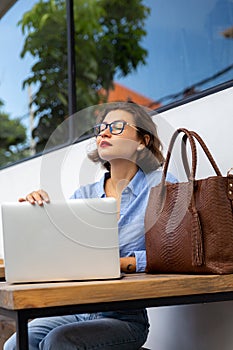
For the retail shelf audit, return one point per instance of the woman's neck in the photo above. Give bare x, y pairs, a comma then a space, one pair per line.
122, 172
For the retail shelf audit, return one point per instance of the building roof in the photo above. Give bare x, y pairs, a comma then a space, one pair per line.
122, 93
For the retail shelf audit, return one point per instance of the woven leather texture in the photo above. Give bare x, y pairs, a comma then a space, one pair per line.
189, 225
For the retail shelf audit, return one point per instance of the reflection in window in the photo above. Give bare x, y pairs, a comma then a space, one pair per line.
187, 48
190, 49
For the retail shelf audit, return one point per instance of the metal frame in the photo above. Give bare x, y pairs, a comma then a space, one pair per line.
22, 316
71, 57
72, 104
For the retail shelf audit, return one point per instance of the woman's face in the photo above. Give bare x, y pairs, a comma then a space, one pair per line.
121, 146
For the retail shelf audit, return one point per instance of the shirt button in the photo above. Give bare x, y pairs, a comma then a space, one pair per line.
126, 190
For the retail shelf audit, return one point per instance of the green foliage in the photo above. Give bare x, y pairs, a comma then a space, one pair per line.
13, 135
108, 37
119, 44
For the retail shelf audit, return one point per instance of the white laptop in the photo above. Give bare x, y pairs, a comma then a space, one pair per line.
71, 240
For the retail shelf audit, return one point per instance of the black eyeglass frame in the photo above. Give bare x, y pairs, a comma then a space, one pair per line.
110, 125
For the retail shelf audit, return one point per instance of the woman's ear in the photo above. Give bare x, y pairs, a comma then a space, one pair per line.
144, 143
146, 139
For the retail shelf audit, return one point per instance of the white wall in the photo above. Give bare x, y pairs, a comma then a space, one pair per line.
192, 327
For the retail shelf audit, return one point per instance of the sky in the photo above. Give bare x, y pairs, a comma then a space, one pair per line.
184, 44
13, 69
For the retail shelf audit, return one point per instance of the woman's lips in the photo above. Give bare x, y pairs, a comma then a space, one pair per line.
105, 144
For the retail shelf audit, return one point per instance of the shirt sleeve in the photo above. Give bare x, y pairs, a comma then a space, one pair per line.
76, 195
140, 256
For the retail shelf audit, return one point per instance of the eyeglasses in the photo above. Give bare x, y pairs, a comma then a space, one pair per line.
115, 128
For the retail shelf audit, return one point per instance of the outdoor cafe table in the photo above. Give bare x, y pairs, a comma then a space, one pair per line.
26, 301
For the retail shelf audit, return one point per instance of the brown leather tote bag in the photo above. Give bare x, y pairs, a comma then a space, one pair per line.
189, 225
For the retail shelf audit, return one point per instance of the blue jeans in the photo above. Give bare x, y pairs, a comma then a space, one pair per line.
85, 331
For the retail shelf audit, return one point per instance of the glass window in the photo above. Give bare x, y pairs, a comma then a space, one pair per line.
189, 47
15, 113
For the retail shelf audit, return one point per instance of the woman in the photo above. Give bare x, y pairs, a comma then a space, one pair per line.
128, 146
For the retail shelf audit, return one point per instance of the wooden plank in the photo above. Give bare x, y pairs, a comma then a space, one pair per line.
132, 287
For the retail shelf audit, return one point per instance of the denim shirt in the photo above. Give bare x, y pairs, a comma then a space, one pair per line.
134, 200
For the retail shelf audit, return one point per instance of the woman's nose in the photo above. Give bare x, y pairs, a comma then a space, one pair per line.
105, 133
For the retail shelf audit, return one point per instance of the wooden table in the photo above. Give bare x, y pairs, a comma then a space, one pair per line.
25, 301
2, 269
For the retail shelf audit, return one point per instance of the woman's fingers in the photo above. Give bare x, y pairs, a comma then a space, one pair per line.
34, 197
38, 197
44, 196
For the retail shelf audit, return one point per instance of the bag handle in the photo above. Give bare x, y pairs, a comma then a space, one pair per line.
205, 149
196, 234
189, 136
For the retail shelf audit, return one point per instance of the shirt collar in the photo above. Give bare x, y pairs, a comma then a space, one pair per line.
100, 190
136, 184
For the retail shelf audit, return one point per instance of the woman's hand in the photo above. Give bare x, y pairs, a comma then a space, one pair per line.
38, 197
128, 264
